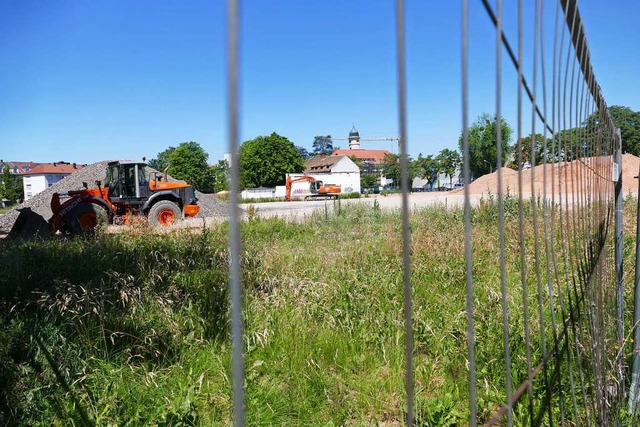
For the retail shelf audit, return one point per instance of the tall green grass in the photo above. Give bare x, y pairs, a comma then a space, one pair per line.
133, 329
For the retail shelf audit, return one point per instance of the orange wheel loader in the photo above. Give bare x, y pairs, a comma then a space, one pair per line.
126, 192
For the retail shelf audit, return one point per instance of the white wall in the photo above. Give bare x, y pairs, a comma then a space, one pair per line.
348, 181
34, 184
258, 193
345, 164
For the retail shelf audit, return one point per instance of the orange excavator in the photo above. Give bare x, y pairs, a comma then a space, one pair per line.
126, 192
318, 188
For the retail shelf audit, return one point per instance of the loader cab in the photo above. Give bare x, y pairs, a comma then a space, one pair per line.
126, 181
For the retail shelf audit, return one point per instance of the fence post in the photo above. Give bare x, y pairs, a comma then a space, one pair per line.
635, 367
617, 177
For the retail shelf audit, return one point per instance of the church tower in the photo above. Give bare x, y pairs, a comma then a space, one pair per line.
354, 139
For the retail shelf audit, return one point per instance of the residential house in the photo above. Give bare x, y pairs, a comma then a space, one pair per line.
18, 168
334, 170
44, 176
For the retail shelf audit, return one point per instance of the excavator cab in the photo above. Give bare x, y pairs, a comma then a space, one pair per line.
314, 187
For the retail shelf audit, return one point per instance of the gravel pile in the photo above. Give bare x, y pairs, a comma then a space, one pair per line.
210, 206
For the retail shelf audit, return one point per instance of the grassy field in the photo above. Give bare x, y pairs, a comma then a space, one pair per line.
133, 329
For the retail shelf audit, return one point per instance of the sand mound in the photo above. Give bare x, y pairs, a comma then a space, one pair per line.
589, 174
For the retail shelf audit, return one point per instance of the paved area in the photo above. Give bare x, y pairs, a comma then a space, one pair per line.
300, 209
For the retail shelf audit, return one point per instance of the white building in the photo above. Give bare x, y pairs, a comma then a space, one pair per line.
44, 176
334, 170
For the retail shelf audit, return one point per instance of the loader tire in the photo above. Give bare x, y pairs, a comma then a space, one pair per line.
164, 213
84, 219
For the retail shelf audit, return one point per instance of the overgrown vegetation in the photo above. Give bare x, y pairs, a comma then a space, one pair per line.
133, 329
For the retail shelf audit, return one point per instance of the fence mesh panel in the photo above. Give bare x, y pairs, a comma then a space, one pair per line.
562, 320
556, 216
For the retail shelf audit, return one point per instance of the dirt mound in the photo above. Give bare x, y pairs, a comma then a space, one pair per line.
488, 184
590, 174
210, 206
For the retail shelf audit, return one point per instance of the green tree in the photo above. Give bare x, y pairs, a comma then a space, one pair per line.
624, 118
449, 161
482, 144
428, 168
220, 173
525, 146
188, 162
391, 169
368, 174
303, 152
265, 160
11, 186
322, 145
368, 180
161, 162
569, 144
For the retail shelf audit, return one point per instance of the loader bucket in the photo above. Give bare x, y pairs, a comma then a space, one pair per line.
29, 225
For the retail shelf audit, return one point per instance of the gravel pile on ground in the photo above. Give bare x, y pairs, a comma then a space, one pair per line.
210, 206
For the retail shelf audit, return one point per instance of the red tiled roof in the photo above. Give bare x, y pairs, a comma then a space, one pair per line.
375, 156
59, 168
21, 166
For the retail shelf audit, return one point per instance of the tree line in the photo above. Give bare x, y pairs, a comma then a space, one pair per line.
265, 160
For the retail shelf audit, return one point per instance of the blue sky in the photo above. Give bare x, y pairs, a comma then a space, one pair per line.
87, 81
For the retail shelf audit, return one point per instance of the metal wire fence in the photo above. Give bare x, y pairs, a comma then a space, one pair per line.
562, 320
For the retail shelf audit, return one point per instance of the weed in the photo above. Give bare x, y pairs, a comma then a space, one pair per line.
252, 212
